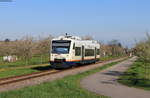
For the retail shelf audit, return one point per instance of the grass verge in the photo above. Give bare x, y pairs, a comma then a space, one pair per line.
16, 72
68, 87
134, 76
23, 70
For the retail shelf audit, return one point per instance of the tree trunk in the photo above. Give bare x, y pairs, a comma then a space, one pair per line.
41, 59
145, 67
26, 62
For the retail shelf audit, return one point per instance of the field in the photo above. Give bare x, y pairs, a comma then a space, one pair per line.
8, 69
134, 76
23, 70
68, 87
33, 61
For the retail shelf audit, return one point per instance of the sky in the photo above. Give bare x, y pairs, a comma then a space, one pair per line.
104, 20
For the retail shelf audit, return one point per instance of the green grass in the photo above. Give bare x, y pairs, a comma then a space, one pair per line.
134, 76
8, 69
22, 71
68, 87
16, 72
33, 61
105, 58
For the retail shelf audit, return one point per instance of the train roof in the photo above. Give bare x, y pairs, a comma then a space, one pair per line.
75, 38
67, 38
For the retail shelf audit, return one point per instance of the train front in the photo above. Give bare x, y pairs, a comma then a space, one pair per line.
60, 53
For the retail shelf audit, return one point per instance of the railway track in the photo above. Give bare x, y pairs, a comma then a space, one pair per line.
26, 76
14, 79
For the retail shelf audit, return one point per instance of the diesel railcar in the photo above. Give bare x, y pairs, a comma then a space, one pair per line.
68, 51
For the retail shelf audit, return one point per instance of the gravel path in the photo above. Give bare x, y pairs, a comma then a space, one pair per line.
105, 83
52, 77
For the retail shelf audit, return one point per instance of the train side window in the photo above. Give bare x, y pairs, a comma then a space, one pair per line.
77, 51
98, 51
89, 52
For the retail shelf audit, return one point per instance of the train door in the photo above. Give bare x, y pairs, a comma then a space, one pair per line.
95, 53
82, 53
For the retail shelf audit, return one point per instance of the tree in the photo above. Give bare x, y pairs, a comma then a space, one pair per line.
105, 50
7, 48
87, 37
43, 46
7, 40
116, 48
25, 47
143, 51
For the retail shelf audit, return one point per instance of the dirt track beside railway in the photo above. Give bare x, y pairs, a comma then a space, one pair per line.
52, 77
105, 83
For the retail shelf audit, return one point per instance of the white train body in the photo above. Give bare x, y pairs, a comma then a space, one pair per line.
68, 51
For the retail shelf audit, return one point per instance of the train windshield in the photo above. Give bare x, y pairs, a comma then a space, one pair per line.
61, 46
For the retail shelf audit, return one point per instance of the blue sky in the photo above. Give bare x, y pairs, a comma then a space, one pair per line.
125, 20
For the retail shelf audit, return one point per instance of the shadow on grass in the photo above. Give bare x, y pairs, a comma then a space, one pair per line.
113, 73
143, 83
134, 79
43, 68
